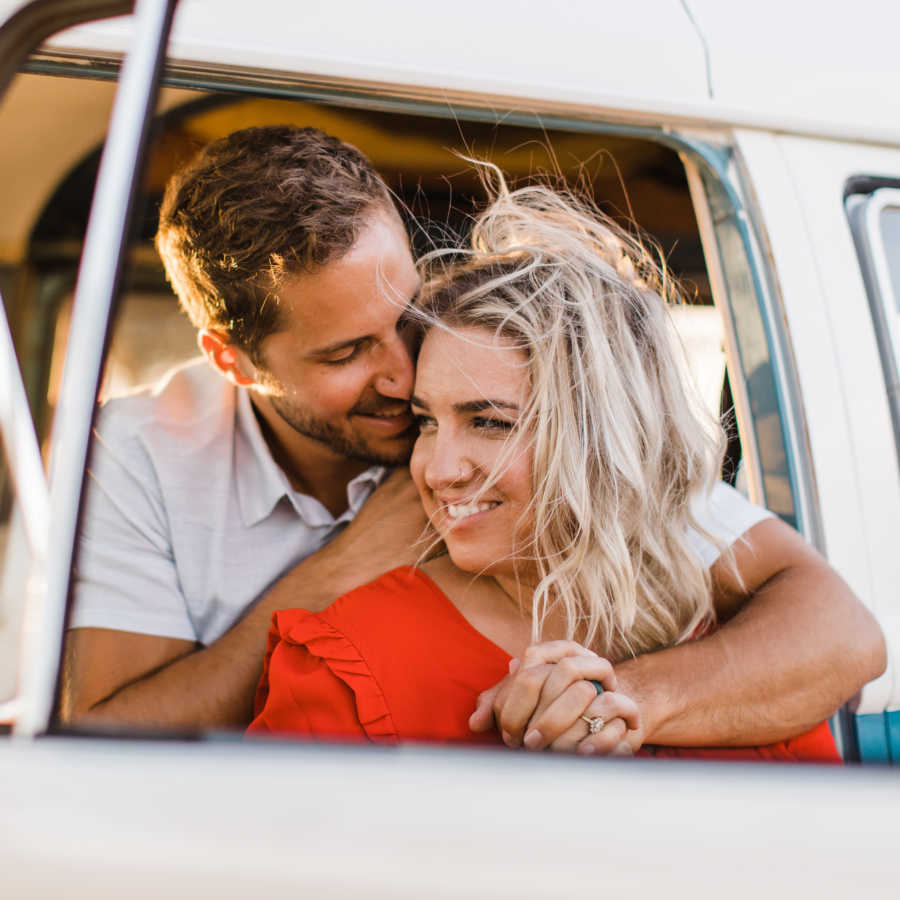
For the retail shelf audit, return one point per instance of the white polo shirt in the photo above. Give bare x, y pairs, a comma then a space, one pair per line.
188, 520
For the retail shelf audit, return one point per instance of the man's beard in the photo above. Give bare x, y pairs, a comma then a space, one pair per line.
345, 443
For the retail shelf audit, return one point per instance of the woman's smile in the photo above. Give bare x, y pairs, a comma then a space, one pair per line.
460, 511
461, 514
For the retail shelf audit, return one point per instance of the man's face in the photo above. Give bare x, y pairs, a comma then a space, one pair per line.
337, 378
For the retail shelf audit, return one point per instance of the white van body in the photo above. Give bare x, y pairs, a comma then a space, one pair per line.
779, 107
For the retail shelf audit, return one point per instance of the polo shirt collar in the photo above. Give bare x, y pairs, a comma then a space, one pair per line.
261, 482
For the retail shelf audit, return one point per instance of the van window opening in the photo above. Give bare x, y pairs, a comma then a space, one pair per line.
629, 175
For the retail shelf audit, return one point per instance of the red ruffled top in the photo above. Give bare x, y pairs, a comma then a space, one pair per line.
395, 661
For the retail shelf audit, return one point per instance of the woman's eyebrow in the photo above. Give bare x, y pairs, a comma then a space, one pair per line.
469, 406
479, 405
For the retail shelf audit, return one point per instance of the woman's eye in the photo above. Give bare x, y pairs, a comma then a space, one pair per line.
488, 424
424, 423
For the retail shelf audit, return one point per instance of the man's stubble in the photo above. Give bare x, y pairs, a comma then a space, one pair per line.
346, 442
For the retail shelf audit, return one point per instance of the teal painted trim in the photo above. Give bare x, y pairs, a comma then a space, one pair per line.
893, 730
873, 738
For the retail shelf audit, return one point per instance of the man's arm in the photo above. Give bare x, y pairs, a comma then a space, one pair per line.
135, 679
794, 645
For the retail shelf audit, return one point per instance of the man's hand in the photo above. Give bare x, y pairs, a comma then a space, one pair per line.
540, 704
389, 531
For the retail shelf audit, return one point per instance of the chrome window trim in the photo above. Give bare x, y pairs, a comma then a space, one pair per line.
864, 213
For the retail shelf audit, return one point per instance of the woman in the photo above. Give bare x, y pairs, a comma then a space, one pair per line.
572, 480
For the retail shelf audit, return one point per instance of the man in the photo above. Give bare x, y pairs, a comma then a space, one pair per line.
289, 257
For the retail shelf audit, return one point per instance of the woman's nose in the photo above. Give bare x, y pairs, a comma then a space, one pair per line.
447, 464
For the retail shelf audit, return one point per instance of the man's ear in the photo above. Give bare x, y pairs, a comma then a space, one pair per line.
223, 356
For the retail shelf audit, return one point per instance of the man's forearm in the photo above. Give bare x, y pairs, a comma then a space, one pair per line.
211, 687
784, 663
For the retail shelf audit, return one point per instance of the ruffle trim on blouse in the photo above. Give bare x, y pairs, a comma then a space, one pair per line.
344, 660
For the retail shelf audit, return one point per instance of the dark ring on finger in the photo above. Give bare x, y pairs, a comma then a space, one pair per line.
597, 685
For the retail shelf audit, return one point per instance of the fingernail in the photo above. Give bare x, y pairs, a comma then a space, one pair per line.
533, 739
507, 738
586, 750
514, 664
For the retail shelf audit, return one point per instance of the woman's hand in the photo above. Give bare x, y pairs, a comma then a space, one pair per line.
540, 704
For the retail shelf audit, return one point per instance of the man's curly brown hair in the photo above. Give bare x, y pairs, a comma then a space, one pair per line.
253, 207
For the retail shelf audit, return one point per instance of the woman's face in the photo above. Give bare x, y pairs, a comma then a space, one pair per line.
471, 388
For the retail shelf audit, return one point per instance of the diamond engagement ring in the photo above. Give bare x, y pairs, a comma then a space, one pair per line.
594, 723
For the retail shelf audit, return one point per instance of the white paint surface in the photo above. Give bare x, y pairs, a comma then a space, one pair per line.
111, 819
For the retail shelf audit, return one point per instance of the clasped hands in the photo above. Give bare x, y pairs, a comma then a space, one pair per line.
544, 702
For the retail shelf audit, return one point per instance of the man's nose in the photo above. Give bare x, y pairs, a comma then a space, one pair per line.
396, 372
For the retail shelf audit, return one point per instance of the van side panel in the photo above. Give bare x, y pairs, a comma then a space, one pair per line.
798, 185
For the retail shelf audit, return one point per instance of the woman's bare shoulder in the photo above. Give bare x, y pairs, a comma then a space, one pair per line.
465, 590
443, 573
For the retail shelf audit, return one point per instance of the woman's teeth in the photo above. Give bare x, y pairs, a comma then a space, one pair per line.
461, 510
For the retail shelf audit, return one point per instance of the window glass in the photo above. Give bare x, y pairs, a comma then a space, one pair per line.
24, 510
755, 367
35, 278
40, 238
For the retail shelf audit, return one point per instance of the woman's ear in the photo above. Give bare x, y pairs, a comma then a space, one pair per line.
223, 356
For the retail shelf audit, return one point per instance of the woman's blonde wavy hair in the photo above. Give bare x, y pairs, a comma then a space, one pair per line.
621, 446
